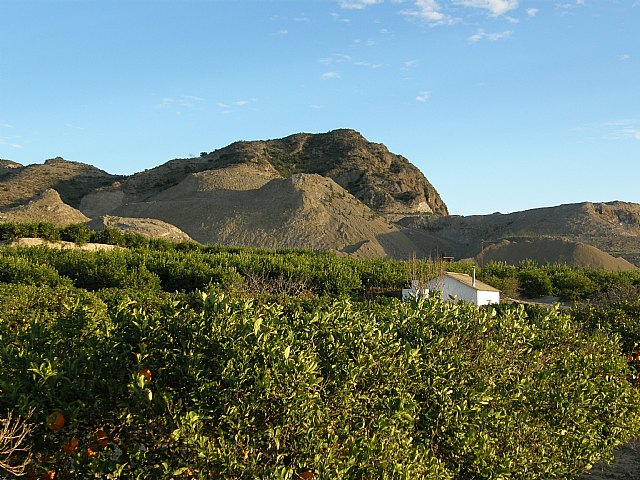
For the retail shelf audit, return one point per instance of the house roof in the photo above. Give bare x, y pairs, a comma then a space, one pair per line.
468, 281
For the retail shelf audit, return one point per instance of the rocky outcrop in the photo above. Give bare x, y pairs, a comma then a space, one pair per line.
148, 227
46, 207
72, 181
385, 182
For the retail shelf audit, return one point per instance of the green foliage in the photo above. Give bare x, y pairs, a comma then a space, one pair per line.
110, 236
77, 233
246, 385
620, 318
572, 284
534, 282
228, 388
188, 266
19, 270
10, 231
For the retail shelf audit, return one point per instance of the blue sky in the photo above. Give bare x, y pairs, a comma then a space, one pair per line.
504, 105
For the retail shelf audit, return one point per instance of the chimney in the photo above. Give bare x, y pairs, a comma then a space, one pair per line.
474, 277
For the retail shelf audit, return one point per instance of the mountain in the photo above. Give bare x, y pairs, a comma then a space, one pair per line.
302, 211
44, 207
612, 227
72, 181
385, 182
332, 191
545, 250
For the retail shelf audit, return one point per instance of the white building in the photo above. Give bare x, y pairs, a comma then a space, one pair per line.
460, 286
415, 290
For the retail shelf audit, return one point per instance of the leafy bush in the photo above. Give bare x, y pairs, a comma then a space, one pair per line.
534, 283
15, 269
572, 284
217, 387
77, 233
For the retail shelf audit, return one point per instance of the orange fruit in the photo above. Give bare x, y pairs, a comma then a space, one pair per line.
102, 438
55, 421
630, 358
147, 374
50, 475
71, 446
307, 474
90, 451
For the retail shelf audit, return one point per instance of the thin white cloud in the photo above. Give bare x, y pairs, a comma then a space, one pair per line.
338, 18
6, 125
495, 7
336, 58
184, 101
165, 102
570, 5
282, 32
228, 107
357, 4
302, 18
341, 58
369, 64
423, 97
330, 76
3, 141
624, 56
532, 12
512, 20
491, 37
369, 42
429, 11
622, 129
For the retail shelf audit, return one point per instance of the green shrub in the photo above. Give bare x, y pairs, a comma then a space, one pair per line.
235, 388
78, 233
15, 269
534, 283
572, 285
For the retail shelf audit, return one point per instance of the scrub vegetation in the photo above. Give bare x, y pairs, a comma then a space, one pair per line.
160, 360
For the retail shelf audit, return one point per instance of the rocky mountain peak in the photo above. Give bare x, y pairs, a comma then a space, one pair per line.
386, 182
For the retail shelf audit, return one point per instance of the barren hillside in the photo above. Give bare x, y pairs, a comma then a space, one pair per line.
612, 227
45, 207
330, 191
302, 211
552, 251
72, 180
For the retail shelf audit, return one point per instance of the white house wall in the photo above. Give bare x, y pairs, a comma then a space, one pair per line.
452, 288
486, 298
